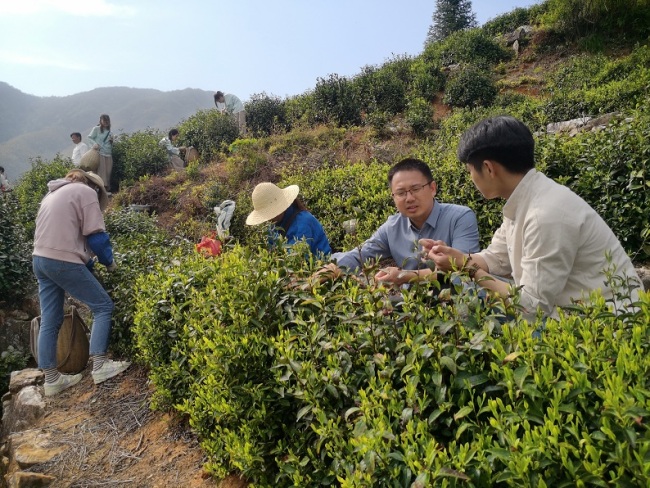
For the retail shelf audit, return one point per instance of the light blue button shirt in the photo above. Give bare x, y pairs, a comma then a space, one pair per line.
398, 237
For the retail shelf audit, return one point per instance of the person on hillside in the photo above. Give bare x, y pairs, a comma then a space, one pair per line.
553, 244
419, 216
4, 182
80, 148
231, 104
289, 216
102, 139
69, 225
173, 152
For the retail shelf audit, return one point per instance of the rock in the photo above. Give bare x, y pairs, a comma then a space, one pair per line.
519, 34
22, 479
32, 447
567, 125
26, 377
22, 410
515, 47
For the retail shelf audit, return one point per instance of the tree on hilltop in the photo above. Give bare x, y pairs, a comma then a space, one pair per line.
450, 16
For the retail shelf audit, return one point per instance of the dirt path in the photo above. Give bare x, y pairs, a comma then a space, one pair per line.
112, 439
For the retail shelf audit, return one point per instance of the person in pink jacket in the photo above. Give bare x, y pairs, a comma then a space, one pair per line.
70, 225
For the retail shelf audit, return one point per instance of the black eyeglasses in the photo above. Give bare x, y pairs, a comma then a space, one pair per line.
414, 190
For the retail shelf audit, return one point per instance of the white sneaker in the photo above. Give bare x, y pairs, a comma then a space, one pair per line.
64, 382
109, 369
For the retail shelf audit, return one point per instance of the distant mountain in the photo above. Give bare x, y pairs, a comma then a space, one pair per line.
33, 126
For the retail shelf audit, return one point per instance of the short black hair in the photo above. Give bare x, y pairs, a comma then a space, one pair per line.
219, 94
172, 132
2, 170
76, 134
503, 139
410, 164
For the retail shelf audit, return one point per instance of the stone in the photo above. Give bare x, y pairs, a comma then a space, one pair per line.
567, 125
644, 275
515, 47
25, 377
23, 410
21, 479
33, 447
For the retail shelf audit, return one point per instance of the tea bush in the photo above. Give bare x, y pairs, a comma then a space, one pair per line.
470, 87
139, 247
335, 100
138, 154
15, 252
293, 383
471, 46
265, 115
419, 116
508, 22
209, 132
300, 110
428, 79
32, 187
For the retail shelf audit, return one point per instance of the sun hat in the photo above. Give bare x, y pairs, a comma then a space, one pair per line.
101, 194
270, 201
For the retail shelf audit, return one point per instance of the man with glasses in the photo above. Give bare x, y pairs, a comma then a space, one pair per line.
420, 216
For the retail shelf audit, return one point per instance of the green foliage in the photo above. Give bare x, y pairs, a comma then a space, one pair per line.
10, 360
300, 110
139, 246
15, 252
380, 90
332, 384
427, 78
420, 116
449, 17
32, 187
470, 87
508, 22
138, 154
265, 115
473, 47
209, 132
577, 18
593, 84
335, 100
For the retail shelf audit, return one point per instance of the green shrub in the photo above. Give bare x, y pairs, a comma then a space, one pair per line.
335, 100
32, 187
265, 115
508, 22
332, 384
11, 359
138, 154
15, 252
139, 246
428, 79
420, 116
300, 110
470, 87
380, 90
209, 132
468, 47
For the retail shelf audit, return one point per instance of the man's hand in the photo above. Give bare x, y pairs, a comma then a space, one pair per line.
394, 275
445, 257
328, 272
111, 267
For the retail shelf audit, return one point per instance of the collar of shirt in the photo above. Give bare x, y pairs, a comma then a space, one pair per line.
432, 219
520, 193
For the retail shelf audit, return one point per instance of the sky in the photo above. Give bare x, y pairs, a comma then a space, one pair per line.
244, 47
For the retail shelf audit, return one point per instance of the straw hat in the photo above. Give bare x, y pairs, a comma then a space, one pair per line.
270, 201
99, 183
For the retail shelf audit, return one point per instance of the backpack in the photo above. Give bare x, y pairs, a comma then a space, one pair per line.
72, 347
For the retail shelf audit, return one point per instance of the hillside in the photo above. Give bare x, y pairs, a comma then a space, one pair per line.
295, 382
33, 126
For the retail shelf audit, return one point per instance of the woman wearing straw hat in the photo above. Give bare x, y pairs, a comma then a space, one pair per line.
69, 224
289, 215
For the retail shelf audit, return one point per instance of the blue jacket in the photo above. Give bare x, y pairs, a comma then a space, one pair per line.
303, 225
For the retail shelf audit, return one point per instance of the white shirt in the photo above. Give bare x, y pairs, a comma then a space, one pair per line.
79, 150
554, 246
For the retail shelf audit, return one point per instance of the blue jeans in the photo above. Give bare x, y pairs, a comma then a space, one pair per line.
54, 279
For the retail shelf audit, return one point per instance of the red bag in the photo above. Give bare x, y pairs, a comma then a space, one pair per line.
209, 246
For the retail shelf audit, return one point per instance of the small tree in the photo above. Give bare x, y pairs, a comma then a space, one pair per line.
450, 16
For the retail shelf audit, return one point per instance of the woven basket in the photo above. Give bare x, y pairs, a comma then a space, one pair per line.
90, 161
